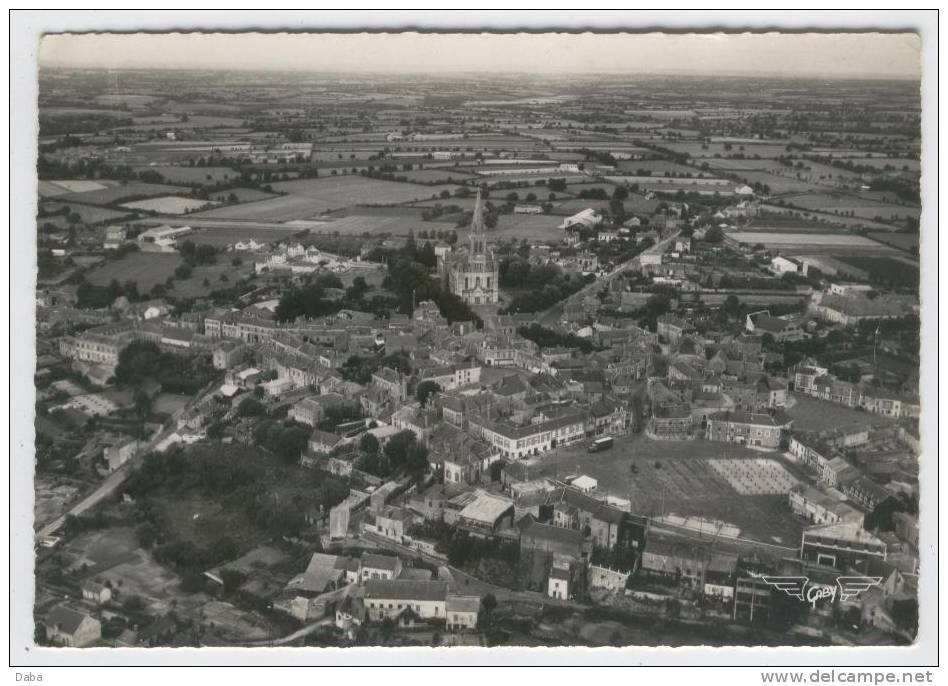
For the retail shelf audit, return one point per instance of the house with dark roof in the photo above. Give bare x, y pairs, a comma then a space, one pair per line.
535, 536
389, 598
748, 428
323, 574
376, 566
95, 591
72, 628
461, 612
675, 560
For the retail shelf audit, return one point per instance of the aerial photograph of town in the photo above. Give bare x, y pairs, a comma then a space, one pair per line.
477, 359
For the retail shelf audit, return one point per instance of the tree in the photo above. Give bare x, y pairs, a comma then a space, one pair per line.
139, 360
250, 407
488, 603
369, 444
133, 604
425, 390
232, 580
714, 235
183, 271
142, 403
732, 306
387, 628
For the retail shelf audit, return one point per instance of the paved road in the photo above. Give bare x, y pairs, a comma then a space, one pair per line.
118, 477
554, 314
298, 634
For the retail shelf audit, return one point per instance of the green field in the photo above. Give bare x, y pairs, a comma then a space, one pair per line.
344, 191
860, 207
192, 175
169, 204
279, 209
88, 214
116, 194
148, 269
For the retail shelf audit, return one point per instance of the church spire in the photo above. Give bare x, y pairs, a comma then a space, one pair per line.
477, 220
478, 239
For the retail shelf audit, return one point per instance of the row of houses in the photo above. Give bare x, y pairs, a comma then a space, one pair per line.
815, 381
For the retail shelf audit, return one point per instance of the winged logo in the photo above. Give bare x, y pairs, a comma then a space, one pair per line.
793, 586
851, 586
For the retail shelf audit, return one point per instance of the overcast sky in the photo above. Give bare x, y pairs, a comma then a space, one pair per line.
828, 55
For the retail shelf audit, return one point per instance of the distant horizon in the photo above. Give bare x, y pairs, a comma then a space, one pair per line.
501, 74
831, 56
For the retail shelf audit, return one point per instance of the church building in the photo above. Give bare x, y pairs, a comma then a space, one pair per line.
473, 275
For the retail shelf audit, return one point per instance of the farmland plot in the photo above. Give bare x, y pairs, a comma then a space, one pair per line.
338, 192
192, 175
169, 205
88, 214
116, 194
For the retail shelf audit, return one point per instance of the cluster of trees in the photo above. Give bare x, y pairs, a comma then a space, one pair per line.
286, 440
548, 294
402, 454
516, 272
548, 338
360, 369
141, 360
308, 301
242, 483
410, 278
92, 297
197, 254
340, 414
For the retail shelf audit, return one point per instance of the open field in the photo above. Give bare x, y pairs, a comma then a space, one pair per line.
532, 227
88, 214
192, 175
53, 495
571, 207
116, 194
242, 195
204, 522
448, 175
169, 204
785, 240
279, 209
157, 585
148, 269
885, 268
834, 219
49, 188
657, 167
676, 477
697, 149
344, 191
778, 184
357, 224
101, 549
232, 623
887, 163
220, 236
836, 202
818, 415
902, 241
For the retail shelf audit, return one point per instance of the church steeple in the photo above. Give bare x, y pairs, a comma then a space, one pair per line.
478, 239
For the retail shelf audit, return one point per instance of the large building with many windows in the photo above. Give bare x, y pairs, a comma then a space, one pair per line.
473, 275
